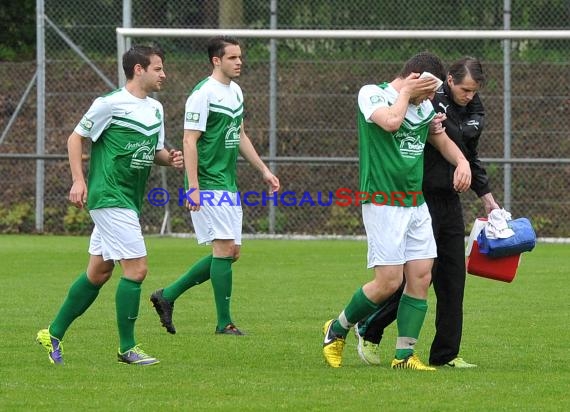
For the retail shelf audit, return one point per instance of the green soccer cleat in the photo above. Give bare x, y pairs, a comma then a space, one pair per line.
333, 345
411, 362
136, 356
53, 346
368, 351
459, 363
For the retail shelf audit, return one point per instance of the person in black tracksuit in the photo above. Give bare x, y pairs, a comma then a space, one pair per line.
457, 98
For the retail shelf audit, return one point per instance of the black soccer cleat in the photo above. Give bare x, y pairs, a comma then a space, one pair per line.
164, 309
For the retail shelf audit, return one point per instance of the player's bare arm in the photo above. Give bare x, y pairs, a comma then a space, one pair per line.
391, 118
249, 153
78, 192
190, 148
411, 90
419, 88
170, 157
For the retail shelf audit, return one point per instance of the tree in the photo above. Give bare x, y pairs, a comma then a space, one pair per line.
18, 34
231, 14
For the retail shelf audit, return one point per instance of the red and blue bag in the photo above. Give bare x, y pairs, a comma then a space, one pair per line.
523, 240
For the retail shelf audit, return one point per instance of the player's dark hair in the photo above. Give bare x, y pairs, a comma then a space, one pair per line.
467, 65
139, 54
217, 46
424, 62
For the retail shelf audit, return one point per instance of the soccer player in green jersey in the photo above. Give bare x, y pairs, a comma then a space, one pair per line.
459, 106
213, 136
126, 128
395, 120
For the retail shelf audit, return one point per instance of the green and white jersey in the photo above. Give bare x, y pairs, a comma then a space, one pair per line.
126, 132
216, 109
391, 164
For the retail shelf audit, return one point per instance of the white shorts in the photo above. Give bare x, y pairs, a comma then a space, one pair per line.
398, 234
117, 234
219, 217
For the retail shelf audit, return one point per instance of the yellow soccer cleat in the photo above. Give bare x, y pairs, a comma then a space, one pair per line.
459, 363
52, 345
368, 351
411, 362
333, 345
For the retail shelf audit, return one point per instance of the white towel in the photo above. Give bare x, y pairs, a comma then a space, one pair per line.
497, 226
478, 226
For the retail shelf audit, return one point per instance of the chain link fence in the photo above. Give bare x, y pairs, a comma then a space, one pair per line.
317, 83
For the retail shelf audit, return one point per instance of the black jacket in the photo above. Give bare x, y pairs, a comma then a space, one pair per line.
464, 126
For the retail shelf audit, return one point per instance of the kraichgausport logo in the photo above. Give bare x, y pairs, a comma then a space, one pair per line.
342, 197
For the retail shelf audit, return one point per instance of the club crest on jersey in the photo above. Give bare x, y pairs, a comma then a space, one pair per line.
157, 114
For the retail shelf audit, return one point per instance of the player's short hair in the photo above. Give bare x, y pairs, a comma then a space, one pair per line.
424, 62
139, 54
467, 65
217, 46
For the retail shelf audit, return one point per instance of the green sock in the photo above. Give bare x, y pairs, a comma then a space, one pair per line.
82, 293
358, 308
127, 301
411, 315
198, 273
221, 276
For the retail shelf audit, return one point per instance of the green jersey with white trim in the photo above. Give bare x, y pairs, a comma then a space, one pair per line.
125, 131
216, 109
391, 164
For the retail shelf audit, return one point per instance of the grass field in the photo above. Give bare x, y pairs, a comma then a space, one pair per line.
517, 333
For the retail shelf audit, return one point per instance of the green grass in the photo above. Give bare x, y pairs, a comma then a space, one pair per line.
283, 292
